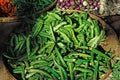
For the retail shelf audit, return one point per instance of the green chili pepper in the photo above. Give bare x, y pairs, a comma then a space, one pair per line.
79, 28
28, 45
60, 57
62, 72
69, 59
70, 67
54, 15
37, 27
59, 25
83, 70
49, 49
51, 29
64, 36
29, 75
80, 61
68, 19
44, 47
100, 53
96, 28
34, 50
42, 72
61, 45
80, 54
20, 70
53, 72
73, 36
95, 76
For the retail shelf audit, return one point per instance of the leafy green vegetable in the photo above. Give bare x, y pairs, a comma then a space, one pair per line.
59, 46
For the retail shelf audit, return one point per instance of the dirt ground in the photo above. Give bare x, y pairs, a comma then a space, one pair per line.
113, 21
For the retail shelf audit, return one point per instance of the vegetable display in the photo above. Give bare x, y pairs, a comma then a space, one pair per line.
59, 46
27, 7
85, 5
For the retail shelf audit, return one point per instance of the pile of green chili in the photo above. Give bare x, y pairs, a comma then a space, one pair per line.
59, 46
27, 7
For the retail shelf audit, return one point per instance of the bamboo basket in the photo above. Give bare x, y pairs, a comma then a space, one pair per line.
110, 44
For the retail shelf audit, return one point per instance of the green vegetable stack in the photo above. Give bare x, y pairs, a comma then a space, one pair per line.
60, 46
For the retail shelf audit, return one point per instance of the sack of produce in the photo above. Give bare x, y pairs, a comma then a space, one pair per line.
62, 45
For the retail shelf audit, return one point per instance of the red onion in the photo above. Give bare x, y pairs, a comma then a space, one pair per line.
77, 7
92, 7
63, 8
81, 1
63, 4
90, 2
79, 4
67, 3
61, 0
72, 2
58, 3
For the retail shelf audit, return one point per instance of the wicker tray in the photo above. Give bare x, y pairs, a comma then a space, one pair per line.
110, 44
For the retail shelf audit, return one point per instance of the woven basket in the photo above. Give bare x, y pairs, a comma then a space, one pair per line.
110, 44
7, 25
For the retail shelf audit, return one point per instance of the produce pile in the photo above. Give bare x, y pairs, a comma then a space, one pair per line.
96, 7
27, 7
59, 46
10, 8
85, 5
7, 8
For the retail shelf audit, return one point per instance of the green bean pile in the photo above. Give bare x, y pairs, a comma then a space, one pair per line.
60, 46
27, 7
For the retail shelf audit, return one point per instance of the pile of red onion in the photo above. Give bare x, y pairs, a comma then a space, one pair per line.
78, 4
